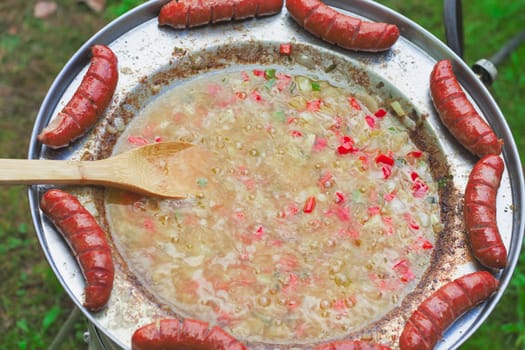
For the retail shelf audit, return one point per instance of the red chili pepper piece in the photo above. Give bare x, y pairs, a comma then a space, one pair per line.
309, 205
296, 133
364, 162
388, 163
259, 233
285, 49
419, 188
347, 146
258, 72
427, 245
403, 268
241, 95
415, 154
320, 143
354, 103
390, 196
380, 113
374, 211
387, 171
292, 209
326, 181
411, 222
370, 121
385, 159
313, 106
137, 140
256, 96
283, 81
340, 211
339, 197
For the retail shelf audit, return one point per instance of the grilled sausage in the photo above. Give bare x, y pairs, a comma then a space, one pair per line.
351, 345
189, 334
342, 30
459, 115
87, 241
181, 14
88, 102
426, 325
480, 212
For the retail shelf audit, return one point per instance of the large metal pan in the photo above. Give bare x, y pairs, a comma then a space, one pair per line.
150, 62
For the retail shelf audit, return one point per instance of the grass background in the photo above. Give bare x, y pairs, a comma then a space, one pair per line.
33, 305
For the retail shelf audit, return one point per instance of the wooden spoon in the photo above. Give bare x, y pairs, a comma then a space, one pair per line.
166, 169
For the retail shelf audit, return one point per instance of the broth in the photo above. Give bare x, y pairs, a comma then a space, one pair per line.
314, 218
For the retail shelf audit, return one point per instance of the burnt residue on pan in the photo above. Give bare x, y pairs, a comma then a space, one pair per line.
450, 249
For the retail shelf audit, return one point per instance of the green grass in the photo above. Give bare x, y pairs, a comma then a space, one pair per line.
32, 303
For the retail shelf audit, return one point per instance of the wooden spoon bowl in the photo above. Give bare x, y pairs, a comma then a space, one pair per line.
165, 169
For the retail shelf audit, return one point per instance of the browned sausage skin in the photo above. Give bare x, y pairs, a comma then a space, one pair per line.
459, 115
342, 30
480, 212
88, 102
189, 334
87, 241
181, 14
426, 325
351, 345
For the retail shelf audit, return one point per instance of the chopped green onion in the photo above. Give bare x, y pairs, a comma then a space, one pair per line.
202, 181
442, 182
270, 83
330, 68
269, 74
356, 196
396, 106
304, 84
316, 86
431, 200
280, 116
293, 87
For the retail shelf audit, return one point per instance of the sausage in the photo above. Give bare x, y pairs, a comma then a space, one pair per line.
87, 241
88, 103
480, 212
181, 14
188, 334
426, 325
351, 345
459, 115
342, 30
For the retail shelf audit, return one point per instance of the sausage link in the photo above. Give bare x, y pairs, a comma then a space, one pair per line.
189, 334
87, 241
88, 102
426, 325
351, 345
480, 212
157, 335
182, 14
459, 115
342, 30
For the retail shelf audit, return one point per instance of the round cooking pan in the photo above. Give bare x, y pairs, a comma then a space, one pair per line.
151, 61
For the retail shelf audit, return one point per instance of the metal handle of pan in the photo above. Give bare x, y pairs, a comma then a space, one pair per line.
453, 16
486, 69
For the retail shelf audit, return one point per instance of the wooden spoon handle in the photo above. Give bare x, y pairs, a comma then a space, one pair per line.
29, 171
